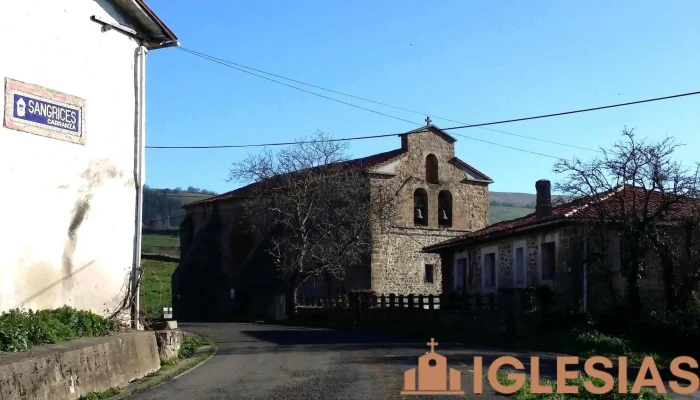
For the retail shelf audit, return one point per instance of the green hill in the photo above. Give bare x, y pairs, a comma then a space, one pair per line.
508, 205
162, 208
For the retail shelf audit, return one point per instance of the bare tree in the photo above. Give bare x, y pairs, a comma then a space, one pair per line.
322, 205
637, 189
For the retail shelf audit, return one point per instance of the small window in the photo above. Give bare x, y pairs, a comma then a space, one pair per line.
445, 209
420, 207
489, 270
429, 273
431, 169
549, 265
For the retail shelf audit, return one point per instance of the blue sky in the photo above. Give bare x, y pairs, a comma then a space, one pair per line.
464, 60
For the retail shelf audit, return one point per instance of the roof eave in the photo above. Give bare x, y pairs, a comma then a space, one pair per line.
478, 181
473, 240
439, 131
156, 33
457, 160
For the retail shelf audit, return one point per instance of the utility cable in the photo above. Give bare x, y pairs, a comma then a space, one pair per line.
303, 90
464, 125
225, 62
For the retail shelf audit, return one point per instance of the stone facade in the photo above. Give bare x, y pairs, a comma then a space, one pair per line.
505, 255
223, 263
398, 264
604, 284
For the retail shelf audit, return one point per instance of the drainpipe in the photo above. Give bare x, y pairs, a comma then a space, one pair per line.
140, 177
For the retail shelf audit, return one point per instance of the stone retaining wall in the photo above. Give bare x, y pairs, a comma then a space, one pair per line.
72, 369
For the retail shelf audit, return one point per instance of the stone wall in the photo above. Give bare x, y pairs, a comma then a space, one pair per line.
606, 284
504, 249
470, 204
398, 265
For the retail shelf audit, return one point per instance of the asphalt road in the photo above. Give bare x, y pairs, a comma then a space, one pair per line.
256, 361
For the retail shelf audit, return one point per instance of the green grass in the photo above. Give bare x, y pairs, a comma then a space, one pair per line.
160, 240
525, 391
22, 329
156, 286
101, 395
504, 213
160, 244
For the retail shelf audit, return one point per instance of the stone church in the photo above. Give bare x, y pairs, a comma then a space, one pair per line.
224, 270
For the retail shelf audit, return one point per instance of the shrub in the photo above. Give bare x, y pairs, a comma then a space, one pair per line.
20, 329
190, 344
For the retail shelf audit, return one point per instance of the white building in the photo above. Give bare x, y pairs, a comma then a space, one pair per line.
71, 149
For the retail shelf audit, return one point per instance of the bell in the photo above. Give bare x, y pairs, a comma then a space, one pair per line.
419, 213
443, 214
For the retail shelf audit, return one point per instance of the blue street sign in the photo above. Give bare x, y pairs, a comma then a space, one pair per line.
46, 113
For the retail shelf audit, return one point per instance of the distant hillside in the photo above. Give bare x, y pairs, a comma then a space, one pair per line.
506, 205
162, 208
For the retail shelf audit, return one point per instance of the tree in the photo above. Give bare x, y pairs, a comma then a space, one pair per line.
637, 188
322, 205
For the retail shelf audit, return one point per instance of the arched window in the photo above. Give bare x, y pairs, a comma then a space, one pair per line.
445, 209
431, 169
420, 207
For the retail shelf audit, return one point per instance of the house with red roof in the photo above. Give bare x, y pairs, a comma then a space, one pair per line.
438, 196
553, 246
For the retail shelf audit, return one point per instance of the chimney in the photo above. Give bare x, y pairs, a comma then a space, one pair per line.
543, 206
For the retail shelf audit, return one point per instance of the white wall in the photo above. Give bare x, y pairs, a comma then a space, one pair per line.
48, 182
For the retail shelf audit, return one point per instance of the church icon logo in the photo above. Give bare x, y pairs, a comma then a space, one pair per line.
21, 106
430, 378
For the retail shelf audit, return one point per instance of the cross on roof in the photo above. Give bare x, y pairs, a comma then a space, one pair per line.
432, 344
428, 121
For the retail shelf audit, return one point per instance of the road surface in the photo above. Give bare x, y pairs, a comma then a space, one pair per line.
257, 361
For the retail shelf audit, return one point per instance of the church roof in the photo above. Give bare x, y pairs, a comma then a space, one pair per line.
373, 161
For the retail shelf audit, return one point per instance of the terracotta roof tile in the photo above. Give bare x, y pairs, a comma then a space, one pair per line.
581, 209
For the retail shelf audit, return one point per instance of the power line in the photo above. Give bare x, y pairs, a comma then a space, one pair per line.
226, 63
464, 126
272, 144
675, 96
298, 88
343, 139
512, 148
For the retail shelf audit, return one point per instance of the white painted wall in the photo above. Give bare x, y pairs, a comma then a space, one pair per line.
55, 44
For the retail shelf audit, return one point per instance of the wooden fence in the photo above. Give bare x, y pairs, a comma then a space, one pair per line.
475, 302
472, 316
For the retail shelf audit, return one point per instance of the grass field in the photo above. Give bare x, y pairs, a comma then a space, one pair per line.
160, 244
156, 289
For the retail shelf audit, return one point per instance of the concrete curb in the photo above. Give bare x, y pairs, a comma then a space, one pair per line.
201, 356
